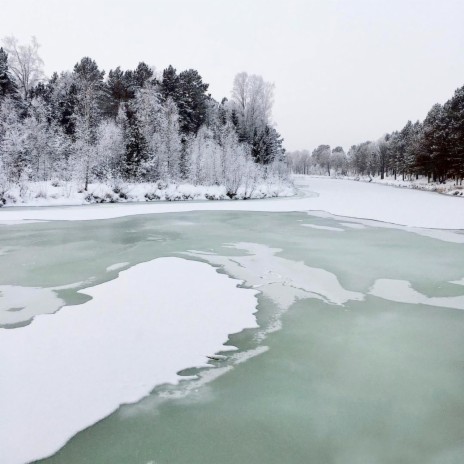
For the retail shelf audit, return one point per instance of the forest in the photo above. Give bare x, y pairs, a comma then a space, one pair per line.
433, 148
132, 126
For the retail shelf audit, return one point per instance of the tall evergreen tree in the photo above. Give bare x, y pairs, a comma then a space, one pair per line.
169, 85
191, 99
7, 84
455, 109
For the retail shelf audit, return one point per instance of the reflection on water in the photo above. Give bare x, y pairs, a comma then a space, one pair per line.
367, 366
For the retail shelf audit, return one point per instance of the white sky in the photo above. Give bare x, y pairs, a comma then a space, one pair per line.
345, 71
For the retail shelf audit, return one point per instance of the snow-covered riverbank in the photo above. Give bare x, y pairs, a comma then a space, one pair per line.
447, 188
407, 207
70, 194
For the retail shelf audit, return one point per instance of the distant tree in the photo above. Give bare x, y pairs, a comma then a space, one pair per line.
322, 156
436, 137
455, 111
339, 161
384, 154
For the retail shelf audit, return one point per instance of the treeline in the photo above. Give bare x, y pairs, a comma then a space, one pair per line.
131, 125
433, 148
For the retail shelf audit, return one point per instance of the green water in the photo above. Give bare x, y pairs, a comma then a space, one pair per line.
371, 381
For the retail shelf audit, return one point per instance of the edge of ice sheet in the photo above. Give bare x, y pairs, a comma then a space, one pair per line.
344, 198
66, 371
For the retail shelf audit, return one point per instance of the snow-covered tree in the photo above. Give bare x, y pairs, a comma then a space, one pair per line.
109, 151
38, 141
25, 63
87, 114
204, 159
167, 141
253, 98
12, 141
323, 156
7, 84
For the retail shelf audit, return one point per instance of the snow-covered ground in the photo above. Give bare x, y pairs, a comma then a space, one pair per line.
448, 188
353, 199
69, 193
68, 370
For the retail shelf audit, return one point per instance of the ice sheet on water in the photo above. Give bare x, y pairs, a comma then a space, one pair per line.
66, 371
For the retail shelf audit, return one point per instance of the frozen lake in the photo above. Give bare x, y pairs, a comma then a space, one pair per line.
347, 335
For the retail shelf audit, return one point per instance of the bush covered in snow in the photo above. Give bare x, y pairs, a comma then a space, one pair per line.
69, 193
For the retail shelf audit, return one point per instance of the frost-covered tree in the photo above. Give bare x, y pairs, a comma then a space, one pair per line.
323, 156
339, 161
146, 120
87, 116
253, 99
204, 158
167, 141
109, 152
12, 142
38, 141
25, 63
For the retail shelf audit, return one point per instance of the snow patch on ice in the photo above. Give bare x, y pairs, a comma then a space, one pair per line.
20, 304
401, 291
66, 371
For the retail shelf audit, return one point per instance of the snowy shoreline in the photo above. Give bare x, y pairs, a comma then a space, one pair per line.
31, 194
448, 188
351, 199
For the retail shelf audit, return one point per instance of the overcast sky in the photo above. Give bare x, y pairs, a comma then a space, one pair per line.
344, 71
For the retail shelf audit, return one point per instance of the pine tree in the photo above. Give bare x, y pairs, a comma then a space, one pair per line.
191, 99
117, 92
456, 134
436, 140
169, 85
7, 84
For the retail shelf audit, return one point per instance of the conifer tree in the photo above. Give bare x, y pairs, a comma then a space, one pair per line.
7, 84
